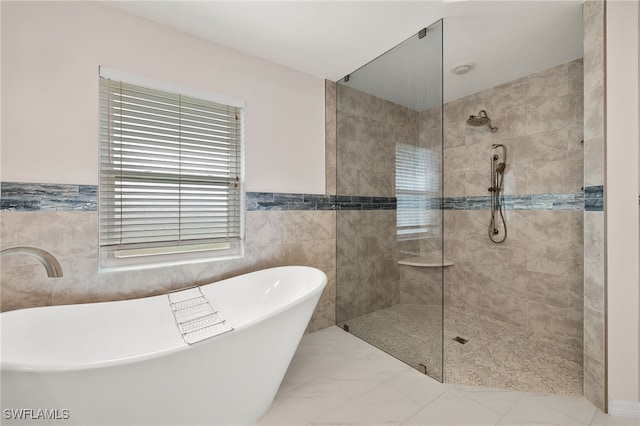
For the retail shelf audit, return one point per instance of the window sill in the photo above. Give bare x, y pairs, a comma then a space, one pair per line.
166, 264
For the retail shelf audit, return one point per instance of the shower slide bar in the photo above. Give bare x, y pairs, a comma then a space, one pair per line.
497, 224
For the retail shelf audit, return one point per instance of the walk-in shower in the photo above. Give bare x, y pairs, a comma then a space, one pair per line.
416, 274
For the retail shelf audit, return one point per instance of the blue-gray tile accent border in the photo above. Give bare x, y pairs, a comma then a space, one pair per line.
16, 196
571, 201
594, 198
269, 201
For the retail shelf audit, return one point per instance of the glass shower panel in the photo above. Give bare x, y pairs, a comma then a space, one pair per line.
389, 185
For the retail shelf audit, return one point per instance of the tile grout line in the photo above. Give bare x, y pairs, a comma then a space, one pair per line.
511, 408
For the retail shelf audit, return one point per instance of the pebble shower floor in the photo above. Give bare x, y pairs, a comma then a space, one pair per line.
497, 354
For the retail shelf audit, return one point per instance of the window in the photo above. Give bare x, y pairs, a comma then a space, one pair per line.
417, 192
170, 173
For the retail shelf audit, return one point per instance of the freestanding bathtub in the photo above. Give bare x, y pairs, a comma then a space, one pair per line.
126, 362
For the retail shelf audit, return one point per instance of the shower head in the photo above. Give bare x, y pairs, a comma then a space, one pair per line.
482, 119
479, 120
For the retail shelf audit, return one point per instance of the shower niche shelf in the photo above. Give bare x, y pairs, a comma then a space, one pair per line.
425, 262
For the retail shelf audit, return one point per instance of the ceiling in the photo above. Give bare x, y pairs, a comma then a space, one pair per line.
330, 39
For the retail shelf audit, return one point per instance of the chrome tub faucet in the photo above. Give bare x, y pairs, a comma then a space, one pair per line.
51, 264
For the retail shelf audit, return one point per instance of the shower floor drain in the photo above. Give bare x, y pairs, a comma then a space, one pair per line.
460, 340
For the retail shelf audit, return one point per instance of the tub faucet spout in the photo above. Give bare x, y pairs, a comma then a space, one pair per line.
51, 264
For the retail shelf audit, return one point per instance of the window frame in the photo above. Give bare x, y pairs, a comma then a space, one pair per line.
425, 193
154, 254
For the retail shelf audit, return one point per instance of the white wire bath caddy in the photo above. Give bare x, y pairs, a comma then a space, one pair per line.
195, 316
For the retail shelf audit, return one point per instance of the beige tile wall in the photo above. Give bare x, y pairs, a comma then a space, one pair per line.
368, 129
419, 285
540, 122
273, 238
367, 273
533, 279
594, 232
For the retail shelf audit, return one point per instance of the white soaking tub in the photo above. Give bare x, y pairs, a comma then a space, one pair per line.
128, 362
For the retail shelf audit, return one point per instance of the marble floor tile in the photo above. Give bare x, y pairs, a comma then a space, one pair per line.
339, 342
382, 405
455, 408
529, 411
304, 403
602, 419
498, 400
575, 407
308, 366
350, 388
375, 366
335, 380
420, 388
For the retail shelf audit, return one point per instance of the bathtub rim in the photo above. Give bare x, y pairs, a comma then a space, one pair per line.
42, 367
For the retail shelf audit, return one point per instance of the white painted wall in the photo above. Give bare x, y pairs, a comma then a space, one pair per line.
622, 189
50, 57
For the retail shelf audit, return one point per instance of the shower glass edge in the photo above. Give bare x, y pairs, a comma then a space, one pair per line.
389, 208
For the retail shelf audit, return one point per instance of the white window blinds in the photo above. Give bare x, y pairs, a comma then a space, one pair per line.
170, 169
417, 191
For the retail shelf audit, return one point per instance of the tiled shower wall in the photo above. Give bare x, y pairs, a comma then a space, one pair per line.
278, 233
368, 129
418, 284
594, 258
533, 279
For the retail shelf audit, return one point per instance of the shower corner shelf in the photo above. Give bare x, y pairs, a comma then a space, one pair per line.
425, 262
